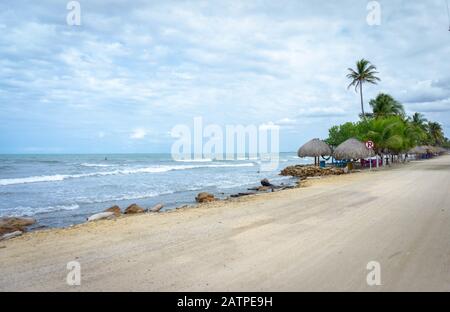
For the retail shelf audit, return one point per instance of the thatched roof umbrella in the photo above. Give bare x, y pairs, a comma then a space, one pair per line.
442, 150
430, 149
352, 149
418, 150
314, 148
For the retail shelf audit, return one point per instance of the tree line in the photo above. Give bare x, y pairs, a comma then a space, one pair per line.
386, 125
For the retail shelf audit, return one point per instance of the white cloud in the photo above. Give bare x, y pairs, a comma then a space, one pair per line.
138, 134
160, 63
286, 121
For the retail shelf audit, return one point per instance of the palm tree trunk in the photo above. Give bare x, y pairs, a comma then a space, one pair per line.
362, 101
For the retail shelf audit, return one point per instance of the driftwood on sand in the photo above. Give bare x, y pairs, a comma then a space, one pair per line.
101, 216
265, 187
11, 235
241, 194
156, 208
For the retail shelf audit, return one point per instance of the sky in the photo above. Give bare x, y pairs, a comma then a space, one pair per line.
133, 70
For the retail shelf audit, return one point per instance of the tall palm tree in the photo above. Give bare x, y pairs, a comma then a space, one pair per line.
365, 72
384, 105
436, 133
420, 124
419, 120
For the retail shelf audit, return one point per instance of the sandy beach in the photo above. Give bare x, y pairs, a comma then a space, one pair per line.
314, 238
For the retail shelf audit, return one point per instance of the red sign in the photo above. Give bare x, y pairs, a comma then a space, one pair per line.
370, 144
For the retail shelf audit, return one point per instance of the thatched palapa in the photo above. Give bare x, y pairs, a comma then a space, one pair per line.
314, 148
442, 150
352, 149
432, 149
418, 150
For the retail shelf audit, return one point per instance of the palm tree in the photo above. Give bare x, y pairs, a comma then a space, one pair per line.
384, 105
419, 120
365, 72
391, 135
420, 124
383, 132
436, 133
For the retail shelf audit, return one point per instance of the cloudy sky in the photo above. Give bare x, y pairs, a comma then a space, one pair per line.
133, 70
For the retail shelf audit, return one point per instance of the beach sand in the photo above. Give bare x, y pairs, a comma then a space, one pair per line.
318, 237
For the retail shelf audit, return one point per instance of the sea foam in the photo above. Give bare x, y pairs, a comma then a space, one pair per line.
30, 211
152, 169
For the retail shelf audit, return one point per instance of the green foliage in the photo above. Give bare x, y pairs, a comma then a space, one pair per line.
419, 121
341, 133
384, 105
435, 133
389, 130
387, 133
386, 126
446, 143
365, 72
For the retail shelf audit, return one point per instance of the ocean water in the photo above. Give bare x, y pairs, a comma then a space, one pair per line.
60, 190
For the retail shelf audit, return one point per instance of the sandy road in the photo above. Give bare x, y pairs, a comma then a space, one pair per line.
315, 238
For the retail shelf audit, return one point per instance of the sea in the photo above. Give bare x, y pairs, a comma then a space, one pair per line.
63, 190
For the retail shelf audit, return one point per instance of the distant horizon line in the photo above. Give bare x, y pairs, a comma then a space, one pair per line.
110, 153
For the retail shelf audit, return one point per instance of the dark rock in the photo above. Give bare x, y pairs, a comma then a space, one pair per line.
114, 209
15, 221
265, 182
14, 224
241, 194
4, 229
133, 209
260, 188
205, 197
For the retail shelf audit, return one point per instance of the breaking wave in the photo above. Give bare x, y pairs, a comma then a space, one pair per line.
152, 169
30, 211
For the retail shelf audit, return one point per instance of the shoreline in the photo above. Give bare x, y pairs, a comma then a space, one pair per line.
232, 198
288, 240
90, 189
198, 207
219, 202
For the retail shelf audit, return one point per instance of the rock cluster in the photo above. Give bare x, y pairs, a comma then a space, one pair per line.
115, 210
12, 226
133, 209
310, 171
205, 197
